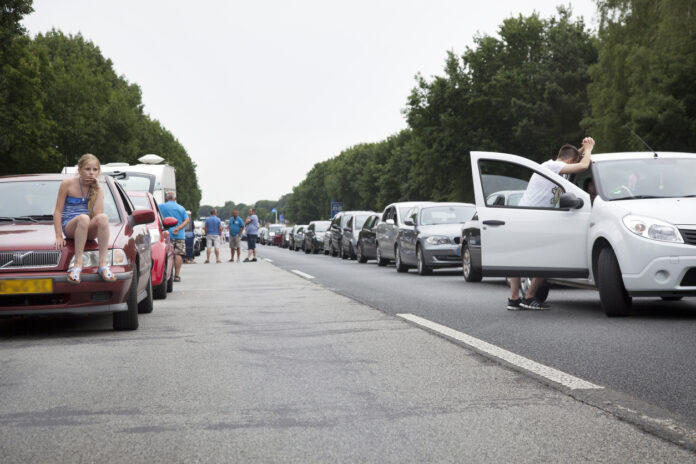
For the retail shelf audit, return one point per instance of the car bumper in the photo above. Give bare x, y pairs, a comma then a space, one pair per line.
442, 256
666, 275
91, 295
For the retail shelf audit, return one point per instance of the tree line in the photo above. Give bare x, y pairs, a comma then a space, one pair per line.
61, 98
537, 84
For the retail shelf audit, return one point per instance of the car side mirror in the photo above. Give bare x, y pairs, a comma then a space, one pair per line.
570, 201
390, 222
169, 222
409, 222
143, 216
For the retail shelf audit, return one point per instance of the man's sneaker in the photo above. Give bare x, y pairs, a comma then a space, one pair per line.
246, 260
254, 260
514, 305
534, 304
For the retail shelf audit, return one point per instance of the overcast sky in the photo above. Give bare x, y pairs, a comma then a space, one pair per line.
258, 92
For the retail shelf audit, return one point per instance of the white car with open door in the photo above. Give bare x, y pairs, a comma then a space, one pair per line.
637, 239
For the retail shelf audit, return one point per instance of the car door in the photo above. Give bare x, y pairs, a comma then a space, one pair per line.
407, 237
547, 241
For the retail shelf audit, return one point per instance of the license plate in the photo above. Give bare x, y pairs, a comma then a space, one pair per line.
23, 286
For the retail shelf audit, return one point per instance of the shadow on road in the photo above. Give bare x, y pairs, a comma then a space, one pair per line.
63, 325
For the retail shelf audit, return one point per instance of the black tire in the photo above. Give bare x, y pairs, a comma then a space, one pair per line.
146, 306
671, 298
612, 293
471, 274
334, 253
344, 255
160, 292
359, 254
381, 261
170, 282
326, 252
400, 266
351, 253
423, 269
128, 320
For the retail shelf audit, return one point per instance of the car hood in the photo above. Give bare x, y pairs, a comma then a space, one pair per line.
39, 236
677, 211
450, 230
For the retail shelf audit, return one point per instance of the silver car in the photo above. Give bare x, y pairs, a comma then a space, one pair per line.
387, 230
433, 239
349, 239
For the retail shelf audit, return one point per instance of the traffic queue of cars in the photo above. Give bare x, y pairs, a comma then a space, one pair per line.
33, 274
635, 238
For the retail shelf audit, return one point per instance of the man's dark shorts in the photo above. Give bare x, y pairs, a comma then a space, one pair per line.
179, 246
251, 241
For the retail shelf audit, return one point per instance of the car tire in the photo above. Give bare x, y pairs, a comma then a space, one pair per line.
307, 250
128, 320
612, 293
381, 261
671, 298
351, 253
400, 266
160, 291
170, 282
146, 306
359, 254
423, 269
344, 255
471, 274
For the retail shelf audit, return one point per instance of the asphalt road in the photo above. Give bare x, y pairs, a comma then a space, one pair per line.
648, 359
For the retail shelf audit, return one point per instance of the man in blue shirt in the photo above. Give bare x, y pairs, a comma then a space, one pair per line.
173, 209
236, 228
212, 230
252, 228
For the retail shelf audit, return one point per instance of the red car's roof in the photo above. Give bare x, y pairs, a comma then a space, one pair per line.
34, 176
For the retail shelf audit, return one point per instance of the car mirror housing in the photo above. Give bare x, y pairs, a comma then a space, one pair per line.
409, 222
570, 201
169, 222
143, 216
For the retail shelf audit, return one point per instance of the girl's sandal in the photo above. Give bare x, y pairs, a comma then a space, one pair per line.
106, 274
74, 275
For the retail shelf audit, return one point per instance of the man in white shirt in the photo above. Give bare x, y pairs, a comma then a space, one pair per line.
543, 193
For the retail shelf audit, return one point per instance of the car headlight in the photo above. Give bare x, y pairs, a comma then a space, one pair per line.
116, 257
652, 228
438, 240
154, 235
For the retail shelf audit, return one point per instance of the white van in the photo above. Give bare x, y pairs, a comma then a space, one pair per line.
150, 176
638, 238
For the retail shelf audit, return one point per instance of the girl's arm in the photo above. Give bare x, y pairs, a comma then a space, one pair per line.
99, 202
58, 214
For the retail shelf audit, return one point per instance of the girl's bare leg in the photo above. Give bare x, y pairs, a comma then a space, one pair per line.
99, 229
76, 229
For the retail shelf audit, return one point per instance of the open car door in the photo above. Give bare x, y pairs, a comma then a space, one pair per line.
523, 241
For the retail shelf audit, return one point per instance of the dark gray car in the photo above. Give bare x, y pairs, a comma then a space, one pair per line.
314, 236
388, 229
433, 239
349, 238
366, 239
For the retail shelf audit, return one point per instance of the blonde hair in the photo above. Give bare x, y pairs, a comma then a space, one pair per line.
92, 194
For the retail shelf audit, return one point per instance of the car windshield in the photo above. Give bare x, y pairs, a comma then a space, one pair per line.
37, 199
646, 178
359, 221
446, 215
321, 226
141, 202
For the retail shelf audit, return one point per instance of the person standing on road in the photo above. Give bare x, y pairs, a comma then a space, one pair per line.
173, 209
212, 230
543, 193
236, 228
252, 228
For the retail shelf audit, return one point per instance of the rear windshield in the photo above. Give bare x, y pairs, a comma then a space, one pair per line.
446, 215
321, 226
141, 202
359, 221
275, 229
37, 198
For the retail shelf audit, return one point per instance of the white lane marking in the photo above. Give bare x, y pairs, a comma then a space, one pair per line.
269, 260
302, 274
567, 380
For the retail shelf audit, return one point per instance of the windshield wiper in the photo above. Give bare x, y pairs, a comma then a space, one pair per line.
40, 217
636, 197
5, 218
25, 218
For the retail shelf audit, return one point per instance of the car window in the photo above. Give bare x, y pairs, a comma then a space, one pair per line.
344, 220
322, 226
510, 185
127, 203
646, 178
446, 214
360, 220
140, 202
349, 224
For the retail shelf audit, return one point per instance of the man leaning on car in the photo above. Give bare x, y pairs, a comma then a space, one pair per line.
543, 193
173, 209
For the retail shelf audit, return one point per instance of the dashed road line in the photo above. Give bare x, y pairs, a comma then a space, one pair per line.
302, 274
560, 377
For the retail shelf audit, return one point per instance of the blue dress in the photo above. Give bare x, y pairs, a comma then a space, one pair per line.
74, 206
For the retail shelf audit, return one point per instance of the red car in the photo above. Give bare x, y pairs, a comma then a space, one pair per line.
162, 247
33, 275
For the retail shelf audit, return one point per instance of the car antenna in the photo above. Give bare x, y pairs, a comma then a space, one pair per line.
639, 138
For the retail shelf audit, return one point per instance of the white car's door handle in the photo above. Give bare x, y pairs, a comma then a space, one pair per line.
493, 222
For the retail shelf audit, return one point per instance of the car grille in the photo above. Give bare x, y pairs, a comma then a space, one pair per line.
689, 279
29, 259
689, 236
